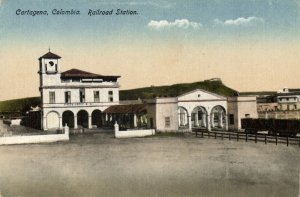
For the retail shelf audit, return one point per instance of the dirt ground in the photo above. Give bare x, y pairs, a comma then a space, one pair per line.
100, 165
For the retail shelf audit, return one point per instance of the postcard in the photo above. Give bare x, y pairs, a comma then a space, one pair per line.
149, 98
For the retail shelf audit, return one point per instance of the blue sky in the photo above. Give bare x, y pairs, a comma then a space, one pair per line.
247, 43
275, 18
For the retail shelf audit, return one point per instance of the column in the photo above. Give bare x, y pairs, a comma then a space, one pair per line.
212, 120
134, 121
208, 123
190, 122
60, 122
226, 122
90, 122
196, 119
204, 120
221, 119
45, 123
75, 122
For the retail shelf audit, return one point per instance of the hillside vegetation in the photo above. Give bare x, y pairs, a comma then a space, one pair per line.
19, 105
177, 89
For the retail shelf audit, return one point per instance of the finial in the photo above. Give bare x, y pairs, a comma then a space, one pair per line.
49, 48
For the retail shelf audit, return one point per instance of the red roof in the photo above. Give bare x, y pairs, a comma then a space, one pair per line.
126, 109
76, 73
50, 55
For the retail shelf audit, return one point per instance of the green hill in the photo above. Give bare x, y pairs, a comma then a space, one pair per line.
19, 105
215, 86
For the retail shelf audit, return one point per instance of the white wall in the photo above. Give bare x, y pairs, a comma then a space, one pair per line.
240, 106
89, 94
35, 138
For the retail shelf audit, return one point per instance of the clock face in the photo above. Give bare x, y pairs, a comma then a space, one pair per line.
51, 63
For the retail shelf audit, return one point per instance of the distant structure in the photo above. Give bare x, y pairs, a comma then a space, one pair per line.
285, 104
73, 97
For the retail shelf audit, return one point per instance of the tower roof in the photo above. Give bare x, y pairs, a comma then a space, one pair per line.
50, 55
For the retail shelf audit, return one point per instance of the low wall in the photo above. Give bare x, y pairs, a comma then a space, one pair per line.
32, 139
134, 133
15, 122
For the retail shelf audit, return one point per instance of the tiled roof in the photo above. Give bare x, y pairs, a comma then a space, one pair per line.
50, 55
76, 73
126, 109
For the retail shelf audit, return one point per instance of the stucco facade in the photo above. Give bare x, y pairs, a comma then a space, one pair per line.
241, 107
162, 114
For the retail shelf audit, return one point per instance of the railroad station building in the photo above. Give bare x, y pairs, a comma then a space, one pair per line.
73, 97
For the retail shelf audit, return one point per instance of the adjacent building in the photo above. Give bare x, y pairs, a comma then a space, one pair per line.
285, 104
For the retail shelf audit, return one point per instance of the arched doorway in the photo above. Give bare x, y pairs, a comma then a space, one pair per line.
97, 118
82, 119
183, 117
199, 117
68, 118
52, 120
218, 117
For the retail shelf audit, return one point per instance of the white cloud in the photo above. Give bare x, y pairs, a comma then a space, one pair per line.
252, 20
179, 24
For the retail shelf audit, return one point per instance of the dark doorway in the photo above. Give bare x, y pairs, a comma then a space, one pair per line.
82, 119
68, 118
97, 118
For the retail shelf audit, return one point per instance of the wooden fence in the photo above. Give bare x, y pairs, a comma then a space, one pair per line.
242, 136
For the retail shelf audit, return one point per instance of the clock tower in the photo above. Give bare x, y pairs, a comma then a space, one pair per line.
49, 69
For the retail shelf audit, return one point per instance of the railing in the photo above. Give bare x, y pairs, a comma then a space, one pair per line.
241, 136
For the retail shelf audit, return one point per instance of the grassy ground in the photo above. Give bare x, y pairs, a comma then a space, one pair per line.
100, 165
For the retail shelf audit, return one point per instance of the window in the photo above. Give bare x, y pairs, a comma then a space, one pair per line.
68, 97
295, 106
96, 96
82, 95
167, 122
51, 97
231, 118
288, 107
287, 99
110, 96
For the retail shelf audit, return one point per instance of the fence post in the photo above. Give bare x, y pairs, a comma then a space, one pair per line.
255, 137
237, 136
223, 138
202, 134
246, 137
287, 141
116, 129
209, 134
276, 138
265, 139
66, 130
